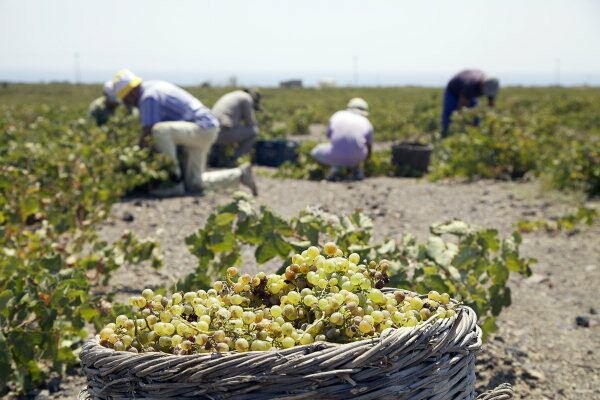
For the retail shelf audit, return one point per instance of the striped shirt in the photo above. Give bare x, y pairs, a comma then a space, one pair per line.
162, 101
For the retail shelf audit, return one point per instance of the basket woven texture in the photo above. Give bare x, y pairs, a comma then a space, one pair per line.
432, 361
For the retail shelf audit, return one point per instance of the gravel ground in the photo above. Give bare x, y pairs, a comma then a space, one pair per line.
539, 347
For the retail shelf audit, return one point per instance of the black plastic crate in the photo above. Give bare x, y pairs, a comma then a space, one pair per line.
274, 152
411, 158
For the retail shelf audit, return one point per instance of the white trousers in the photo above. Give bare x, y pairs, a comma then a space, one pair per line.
196, 142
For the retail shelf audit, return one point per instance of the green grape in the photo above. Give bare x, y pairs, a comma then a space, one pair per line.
148, 294
105, 333
218, 336
248, 317
444, 298
294, 297
377, 316
354, 258
176, 340
416, 303
336, 318
288, 342
166, 316
165, 342
365, 327
126, 340
289, 312
241, 345
119, 346
258, 345
306, 338
377, 296
186, 345
313, 252
176, 298
425, 314
310, 300
203, 326
121, 320
188, 297
433, 295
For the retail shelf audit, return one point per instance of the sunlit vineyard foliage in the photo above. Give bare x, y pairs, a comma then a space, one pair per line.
59, 177
60, 174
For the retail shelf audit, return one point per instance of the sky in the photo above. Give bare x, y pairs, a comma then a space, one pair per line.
261, 42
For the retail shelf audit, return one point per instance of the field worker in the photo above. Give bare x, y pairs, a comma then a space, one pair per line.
351, 137
104, 107
463, 90
235, 112
173, 117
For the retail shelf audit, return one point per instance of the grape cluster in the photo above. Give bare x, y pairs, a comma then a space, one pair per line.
319, 297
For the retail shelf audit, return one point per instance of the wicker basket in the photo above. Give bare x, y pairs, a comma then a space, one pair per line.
432, 361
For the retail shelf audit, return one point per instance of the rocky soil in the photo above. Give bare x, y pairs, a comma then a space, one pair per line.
548, 341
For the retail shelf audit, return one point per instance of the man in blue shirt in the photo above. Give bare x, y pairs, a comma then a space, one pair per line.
463, 90
173, 117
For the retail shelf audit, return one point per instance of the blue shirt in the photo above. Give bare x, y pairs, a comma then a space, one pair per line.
162, 101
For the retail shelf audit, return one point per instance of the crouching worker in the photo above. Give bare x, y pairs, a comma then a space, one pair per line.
235, 112
173, 117
351, 138
102, 108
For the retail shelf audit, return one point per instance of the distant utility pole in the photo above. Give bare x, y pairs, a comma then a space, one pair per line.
77, 71
557, 71
355, 68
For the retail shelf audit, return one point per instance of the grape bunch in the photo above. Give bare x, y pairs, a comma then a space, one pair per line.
319, 297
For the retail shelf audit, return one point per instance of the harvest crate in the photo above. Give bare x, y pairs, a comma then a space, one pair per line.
411, 158
433, 361
274, 152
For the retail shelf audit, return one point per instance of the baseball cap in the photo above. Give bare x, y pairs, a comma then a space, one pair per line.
124, 81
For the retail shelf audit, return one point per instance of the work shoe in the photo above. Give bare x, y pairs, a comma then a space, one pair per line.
334, 174
170, 191
359, 174
247, 179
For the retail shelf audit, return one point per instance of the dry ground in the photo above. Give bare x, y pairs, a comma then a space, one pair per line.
538, 348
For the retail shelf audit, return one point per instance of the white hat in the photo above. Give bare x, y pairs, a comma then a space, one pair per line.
490, 86
359, 106
124, 81
109, 92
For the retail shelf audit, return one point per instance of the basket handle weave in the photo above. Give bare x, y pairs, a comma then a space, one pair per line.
502, 392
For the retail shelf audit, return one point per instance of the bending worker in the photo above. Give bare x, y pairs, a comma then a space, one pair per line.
351, 136
235, 112
102, 108
173, 117
463, 90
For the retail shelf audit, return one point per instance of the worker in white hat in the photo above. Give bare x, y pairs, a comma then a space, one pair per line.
102, 108
463, 90
173, 117
351, 138
235, 112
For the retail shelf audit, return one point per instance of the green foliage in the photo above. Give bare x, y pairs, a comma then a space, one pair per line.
469, 263
497, 148
59, 176
567, 222
554, 138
